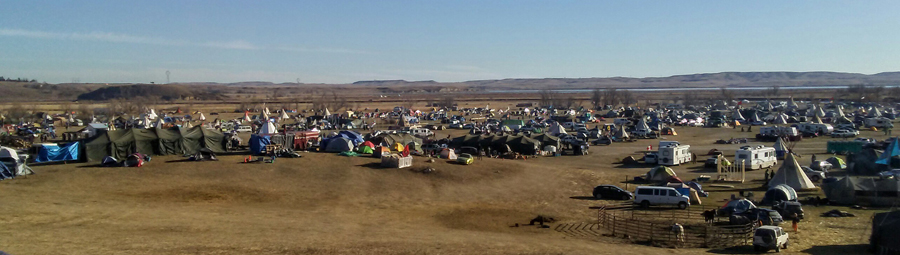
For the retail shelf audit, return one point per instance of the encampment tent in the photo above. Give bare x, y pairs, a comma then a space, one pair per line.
50, 153
791, 175
339, 144
660, 174
778, 193
15, 163
175, 141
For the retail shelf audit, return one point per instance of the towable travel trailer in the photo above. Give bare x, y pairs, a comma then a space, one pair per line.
756, 157
822, 129
879, 122
671, 153
773, 132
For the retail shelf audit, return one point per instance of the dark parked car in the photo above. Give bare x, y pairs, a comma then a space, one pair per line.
611, 192
764, 215
604, 140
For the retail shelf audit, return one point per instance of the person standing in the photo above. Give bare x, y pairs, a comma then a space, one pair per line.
794, 221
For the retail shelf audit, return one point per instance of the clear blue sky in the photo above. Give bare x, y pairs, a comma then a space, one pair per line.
345, 41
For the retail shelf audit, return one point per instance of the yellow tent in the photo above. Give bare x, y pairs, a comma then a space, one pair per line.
397, 147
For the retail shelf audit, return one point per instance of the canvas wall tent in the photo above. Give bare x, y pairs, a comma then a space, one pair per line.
792, 175
869, 191
174, 141
390, 139
547, 139
779, 193
51, 153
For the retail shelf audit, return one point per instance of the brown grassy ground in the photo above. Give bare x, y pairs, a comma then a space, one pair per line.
327, 204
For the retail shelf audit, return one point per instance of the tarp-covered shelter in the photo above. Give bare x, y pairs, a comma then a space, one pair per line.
791, 175
51, 153
871, 191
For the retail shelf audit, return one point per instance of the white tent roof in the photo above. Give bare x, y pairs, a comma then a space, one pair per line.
188, 125
6, 152
284, 115
737, 115
557, 129
268, 128
202, 117
792, 175
327, 113
247, 117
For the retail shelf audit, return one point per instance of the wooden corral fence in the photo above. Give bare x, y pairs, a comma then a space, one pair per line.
655, 227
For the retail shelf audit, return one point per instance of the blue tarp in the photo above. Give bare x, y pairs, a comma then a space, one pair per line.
354, 137
258, 144
890, 151
50, 153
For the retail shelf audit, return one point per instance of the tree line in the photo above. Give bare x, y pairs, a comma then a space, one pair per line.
16, 79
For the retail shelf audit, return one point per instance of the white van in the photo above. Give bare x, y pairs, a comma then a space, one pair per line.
645, 196
421, 132
756, 157
244, 128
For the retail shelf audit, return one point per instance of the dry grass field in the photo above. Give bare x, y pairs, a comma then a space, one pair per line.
323, 203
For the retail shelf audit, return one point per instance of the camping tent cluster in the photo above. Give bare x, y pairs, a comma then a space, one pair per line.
173, 141
258, 142
505, 143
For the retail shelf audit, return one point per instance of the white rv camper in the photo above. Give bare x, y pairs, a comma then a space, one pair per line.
671, 153
822, 129
879, 122
756, 157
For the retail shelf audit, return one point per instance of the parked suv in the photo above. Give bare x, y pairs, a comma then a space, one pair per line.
611, 192
645, 196
770, 237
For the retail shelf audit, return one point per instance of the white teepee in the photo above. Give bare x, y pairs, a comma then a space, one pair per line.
792, 175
